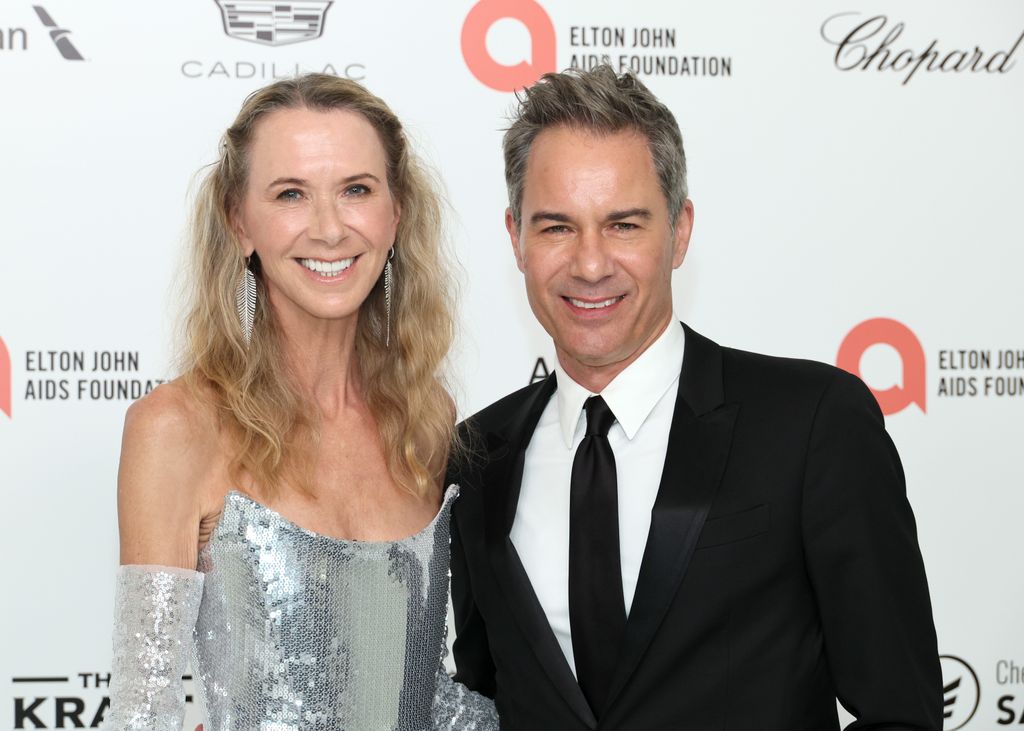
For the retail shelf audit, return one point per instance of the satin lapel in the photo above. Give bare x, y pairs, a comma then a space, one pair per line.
502, 480
699, 442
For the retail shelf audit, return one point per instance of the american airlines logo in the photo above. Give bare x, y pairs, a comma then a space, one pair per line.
59, 36
272, 22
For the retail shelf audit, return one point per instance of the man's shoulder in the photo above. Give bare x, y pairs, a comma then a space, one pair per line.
492, 418
748, 374
483, 438
747, 363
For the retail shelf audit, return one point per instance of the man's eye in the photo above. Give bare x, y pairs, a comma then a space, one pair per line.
291, 194
558, 229
624, 226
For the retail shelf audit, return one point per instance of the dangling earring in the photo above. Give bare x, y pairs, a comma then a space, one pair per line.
245, 299
387, 298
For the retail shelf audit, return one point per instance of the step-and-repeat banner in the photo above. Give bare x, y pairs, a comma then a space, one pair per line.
856, 169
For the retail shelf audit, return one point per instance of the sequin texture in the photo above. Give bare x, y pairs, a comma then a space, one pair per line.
156, 608
300, 631
296, 630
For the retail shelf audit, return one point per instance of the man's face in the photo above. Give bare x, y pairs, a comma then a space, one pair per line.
597, 248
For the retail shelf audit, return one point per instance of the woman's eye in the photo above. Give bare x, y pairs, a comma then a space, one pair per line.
291, 194
357, 189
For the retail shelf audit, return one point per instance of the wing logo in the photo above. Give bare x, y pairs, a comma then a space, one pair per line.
272, 22
961, 692
59, 36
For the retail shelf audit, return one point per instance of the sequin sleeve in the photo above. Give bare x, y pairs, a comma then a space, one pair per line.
457, 708
155, 609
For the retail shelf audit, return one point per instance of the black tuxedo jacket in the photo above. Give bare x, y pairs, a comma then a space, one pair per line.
782, 568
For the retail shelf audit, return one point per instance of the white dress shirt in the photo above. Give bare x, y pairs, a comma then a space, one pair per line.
642, 397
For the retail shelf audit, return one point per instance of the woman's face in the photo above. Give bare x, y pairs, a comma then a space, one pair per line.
317, 211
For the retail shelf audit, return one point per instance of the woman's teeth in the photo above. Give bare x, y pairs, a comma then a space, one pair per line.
327, 268
593, 305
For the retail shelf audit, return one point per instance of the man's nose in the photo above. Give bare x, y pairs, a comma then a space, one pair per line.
592, 258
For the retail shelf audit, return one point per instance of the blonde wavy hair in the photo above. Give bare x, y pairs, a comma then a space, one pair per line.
275, 428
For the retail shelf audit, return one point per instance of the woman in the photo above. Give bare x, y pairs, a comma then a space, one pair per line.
310, 397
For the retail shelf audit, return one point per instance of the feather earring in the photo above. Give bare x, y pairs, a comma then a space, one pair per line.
387, 298
245, 300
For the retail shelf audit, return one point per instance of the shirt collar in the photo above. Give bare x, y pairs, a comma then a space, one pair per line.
633, 394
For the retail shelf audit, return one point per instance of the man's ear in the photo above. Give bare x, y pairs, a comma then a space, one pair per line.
513, 235
681, 239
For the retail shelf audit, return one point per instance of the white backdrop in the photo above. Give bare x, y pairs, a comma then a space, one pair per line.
827, 194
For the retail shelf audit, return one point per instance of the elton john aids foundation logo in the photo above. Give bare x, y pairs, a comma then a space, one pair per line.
273, 22
910, 389
482, 64
5, 379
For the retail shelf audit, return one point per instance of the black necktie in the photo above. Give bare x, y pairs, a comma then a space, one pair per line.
597, 614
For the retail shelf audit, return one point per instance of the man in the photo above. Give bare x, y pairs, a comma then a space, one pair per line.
666, 533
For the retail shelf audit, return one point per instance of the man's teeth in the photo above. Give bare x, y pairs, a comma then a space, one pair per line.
327, 268
594, 305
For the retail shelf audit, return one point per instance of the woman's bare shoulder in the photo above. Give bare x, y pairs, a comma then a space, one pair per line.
170, 449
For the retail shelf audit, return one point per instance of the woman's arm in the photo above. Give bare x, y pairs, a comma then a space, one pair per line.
457, 708
164, 452
167, 452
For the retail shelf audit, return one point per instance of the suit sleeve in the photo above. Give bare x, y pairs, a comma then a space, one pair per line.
472, 653
865, 564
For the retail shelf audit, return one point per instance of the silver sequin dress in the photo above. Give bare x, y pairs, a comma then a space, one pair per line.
295, 630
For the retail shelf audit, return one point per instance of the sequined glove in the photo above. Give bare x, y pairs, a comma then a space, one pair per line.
457, 708
155, 609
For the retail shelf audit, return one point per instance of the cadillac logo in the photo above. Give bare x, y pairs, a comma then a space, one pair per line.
274, 22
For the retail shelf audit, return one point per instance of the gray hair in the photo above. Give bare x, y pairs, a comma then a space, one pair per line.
598, 101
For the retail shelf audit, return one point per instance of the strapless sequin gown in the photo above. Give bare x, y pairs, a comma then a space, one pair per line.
296, 630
